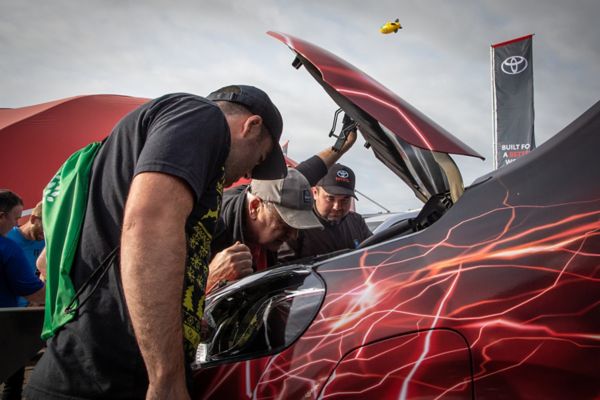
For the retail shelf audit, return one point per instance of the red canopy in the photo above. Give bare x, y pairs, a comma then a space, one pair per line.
36, 140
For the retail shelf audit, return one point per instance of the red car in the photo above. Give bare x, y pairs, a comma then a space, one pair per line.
489, 293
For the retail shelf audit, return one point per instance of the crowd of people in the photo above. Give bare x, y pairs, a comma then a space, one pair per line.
158, 230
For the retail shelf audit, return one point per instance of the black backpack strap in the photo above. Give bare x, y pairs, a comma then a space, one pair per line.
95, 278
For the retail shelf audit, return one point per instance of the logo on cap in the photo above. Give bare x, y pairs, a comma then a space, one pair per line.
306, 197
342, 173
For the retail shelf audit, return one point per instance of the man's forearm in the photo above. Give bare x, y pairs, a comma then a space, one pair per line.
329, 156
152, 282
41, 263
153, 254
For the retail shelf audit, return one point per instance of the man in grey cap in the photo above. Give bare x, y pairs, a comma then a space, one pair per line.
250, 232
154, 196
260, 218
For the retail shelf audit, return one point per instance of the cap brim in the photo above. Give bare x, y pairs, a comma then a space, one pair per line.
339, 191
273, 167
299, 219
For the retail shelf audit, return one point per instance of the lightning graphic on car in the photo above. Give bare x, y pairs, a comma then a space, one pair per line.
496, 295
570, 236
434, 293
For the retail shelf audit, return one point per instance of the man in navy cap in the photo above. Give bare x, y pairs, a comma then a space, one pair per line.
154, 197
343, 228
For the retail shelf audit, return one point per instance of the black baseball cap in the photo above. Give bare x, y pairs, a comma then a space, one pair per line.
259, 103
340, 180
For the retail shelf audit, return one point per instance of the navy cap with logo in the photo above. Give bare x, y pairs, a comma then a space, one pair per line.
258, 102
340, 180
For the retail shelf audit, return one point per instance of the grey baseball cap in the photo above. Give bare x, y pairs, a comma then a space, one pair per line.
291, 197
259, 103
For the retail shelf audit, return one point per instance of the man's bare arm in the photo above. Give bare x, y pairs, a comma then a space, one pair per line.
41, 264
330, 156
153, 254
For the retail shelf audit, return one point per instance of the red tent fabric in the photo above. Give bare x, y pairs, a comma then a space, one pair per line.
36, 140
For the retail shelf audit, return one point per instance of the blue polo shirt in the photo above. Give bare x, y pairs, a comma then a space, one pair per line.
16, 277
32, 248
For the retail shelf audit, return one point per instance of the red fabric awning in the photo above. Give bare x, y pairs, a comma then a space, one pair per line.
36, 140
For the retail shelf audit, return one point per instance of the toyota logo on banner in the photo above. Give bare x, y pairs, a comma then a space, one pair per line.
514, 65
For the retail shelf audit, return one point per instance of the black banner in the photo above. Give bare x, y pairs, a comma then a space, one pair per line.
512, 76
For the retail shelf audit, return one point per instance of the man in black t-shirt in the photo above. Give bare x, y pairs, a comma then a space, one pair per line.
155, 190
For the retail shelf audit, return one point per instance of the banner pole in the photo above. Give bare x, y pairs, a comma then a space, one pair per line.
494, 111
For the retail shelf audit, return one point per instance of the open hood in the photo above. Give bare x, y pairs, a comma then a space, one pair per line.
409, 143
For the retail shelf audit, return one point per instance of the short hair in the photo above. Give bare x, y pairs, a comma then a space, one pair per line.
9, 200
231, 108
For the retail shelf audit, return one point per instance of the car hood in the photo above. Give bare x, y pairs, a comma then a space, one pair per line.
408, 142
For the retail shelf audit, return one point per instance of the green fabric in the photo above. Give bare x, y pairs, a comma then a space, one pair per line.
64, 203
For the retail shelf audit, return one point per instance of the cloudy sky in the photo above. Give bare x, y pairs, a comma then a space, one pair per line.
439, 62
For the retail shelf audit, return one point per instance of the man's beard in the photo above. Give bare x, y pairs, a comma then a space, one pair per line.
233, 170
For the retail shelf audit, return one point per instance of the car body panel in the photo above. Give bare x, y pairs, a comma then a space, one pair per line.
512, 268
389, 109
380, 222
409, 143
380, 367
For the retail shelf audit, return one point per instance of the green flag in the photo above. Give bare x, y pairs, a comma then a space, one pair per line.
65, 200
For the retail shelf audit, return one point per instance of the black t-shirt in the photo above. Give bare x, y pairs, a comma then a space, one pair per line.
96, 355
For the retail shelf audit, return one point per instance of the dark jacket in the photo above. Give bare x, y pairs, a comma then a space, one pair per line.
230, 227
347, 234
231, 224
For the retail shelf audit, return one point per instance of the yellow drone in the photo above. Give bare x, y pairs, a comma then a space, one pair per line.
390, 27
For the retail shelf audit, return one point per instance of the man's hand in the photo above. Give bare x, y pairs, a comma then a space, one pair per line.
348, 126
350, 139
330, 156
233, 263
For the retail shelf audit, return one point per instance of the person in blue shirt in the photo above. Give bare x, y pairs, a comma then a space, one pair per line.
17, 278
30, 238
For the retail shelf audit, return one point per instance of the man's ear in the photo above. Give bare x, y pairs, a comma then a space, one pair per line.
252, 126
314, 192
253, 207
